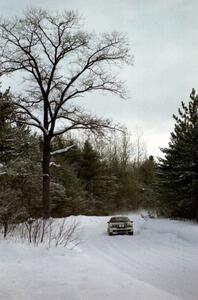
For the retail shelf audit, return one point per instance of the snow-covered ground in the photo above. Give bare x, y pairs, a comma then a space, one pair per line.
160, 262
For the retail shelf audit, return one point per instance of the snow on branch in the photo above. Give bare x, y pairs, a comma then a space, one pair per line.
2, 173
53, 164
61, 151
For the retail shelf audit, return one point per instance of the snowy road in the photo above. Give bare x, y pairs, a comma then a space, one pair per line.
158, 263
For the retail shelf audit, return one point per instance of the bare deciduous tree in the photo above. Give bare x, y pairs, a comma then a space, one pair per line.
59, 62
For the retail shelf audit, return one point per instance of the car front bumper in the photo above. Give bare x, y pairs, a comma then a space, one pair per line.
120, 230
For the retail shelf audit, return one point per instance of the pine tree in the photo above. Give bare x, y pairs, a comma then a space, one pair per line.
65, 169
6, 113
147, 179
99, 183
88, 172
18, 146
20, 162
178, 170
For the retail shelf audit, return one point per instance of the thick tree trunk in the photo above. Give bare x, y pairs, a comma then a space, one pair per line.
46, 178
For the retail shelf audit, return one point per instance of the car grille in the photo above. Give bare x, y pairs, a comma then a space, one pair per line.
119, 225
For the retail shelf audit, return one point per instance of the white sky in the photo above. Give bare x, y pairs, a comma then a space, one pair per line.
164, 41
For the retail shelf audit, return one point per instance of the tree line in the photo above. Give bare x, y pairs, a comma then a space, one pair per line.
95, 176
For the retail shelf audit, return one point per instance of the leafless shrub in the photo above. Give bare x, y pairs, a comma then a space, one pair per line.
51, 232
66, 233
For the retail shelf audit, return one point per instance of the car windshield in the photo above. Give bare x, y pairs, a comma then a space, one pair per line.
119, 219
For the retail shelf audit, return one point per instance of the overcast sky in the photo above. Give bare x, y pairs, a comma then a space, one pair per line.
163, 36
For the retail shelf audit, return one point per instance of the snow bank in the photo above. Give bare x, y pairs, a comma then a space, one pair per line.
187, 231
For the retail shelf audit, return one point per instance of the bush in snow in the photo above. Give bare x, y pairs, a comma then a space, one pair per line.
11, 210
51, 232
